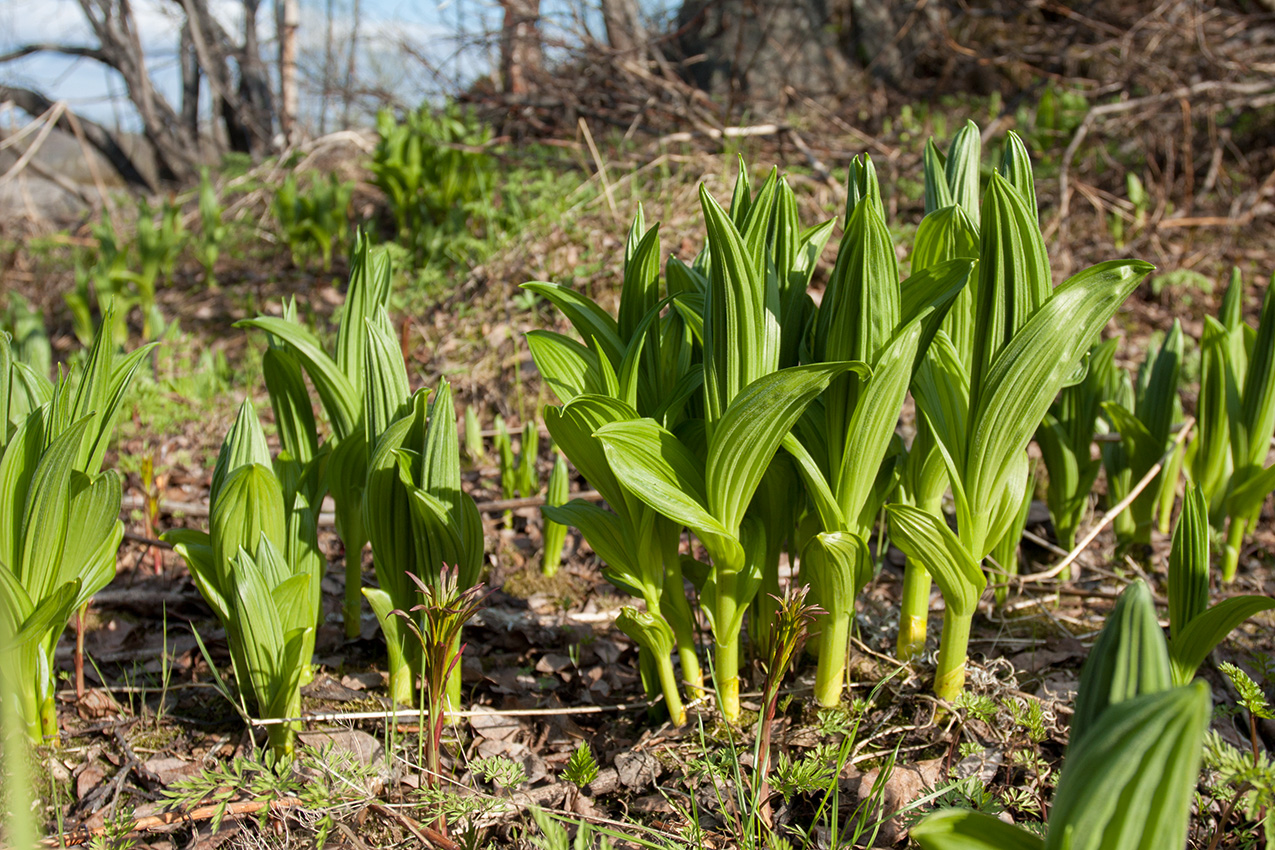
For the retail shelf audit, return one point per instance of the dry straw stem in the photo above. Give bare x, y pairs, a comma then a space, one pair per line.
1115, 511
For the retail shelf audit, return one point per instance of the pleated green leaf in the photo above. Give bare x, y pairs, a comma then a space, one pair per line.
569, 367
611, 538
871, 426
749, 433
47, 513
244, 444
589, 320
386, 394
368, 294
1189, 562
641, 285
1129, 659
340, 397
962, 168
927, 540
1027, 374
1016, 165
960, 829
647, 630
657, 468
937, 193
290, 400
249, 507
1013, 280
741, 329
1128, 784
1209, 628
840, 566
572, 428
1251, 430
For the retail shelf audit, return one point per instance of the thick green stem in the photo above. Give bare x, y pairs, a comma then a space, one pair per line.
1168, 490
29, 705
765, 604
830, 674
282, 738
677, 613
949, 678
726, 648
1234, 542
914, 610
668, 684
49, 720
352, 611
453, 694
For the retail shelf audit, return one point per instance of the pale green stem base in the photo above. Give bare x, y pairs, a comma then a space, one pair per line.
830, 674
668, 684
48, 729
914, 611
352, 611
452, 697
1234, 542
726, 649
727, 676
677, 613
282, 739
949, 678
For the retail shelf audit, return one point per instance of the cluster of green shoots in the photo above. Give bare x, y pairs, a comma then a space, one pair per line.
59, 513
723, 402
314, 220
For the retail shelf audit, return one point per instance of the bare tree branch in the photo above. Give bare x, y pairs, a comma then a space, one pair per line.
99, 137
47, 47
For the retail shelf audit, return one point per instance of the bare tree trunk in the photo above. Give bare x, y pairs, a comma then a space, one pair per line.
254, 82
520, 51
113, 23
351, 66
288, 19
207, 52
190, 81
625, 32
326, 91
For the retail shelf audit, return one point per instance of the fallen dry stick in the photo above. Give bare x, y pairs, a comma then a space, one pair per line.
423, 833
246, 807
1115, 510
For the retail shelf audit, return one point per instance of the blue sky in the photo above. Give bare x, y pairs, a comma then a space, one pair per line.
97, 92
431, 27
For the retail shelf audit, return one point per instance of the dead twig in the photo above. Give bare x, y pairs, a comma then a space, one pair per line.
1116, 510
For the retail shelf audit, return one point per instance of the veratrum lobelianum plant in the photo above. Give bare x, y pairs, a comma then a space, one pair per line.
340, 382
705, 476
1146, 432
639, 363
1065, 438
260, 569
554, 534
59, 512
416, 515
1028, 342
865, 316
1195, 628
1246, 361
316, 219
1130, 770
